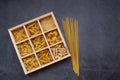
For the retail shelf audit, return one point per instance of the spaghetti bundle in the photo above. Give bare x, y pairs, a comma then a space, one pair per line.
70, 26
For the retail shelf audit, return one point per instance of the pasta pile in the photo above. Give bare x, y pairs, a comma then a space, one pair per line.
70, 26
30, 63
44, 57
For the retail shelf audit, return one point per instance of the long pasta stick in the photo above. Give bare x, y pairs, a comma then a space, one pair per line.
73, 44
74, 54
75, 50
67, 29
71, 32
77, 46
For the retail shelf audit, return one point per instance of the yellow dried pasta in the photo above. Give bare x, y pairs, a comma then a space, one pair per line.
44, 57
39, 42
30, 63
19, 34
24, 48
47, 23
70, 26
53, 37
33, 28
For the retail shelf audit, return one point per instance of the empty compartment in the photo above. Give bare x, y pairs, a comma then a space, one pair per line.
59, 51
33, 28
30, 62
44, 56
24, 48
39, 42
53, 37
19, 34
47, 23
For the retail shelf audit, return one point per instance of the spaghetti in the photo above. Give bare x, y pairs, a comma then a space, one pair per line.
70, 26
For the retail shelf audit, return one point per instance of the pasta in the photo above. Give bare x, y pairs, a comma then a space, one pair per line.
33, 28
71, 32
44, 57
19, 34
39, 42
24, 48
59, 51
47, 23
53, 37
30, 63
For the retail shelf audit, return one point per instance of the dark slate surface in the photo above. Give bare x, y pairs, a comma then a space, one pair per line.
99, 32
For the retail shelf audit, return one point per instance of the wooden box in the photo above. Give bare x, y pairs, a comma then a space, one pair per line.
39, 43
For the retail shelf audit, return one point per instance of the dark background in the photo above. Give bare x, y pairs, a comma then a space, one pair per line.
99, 33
